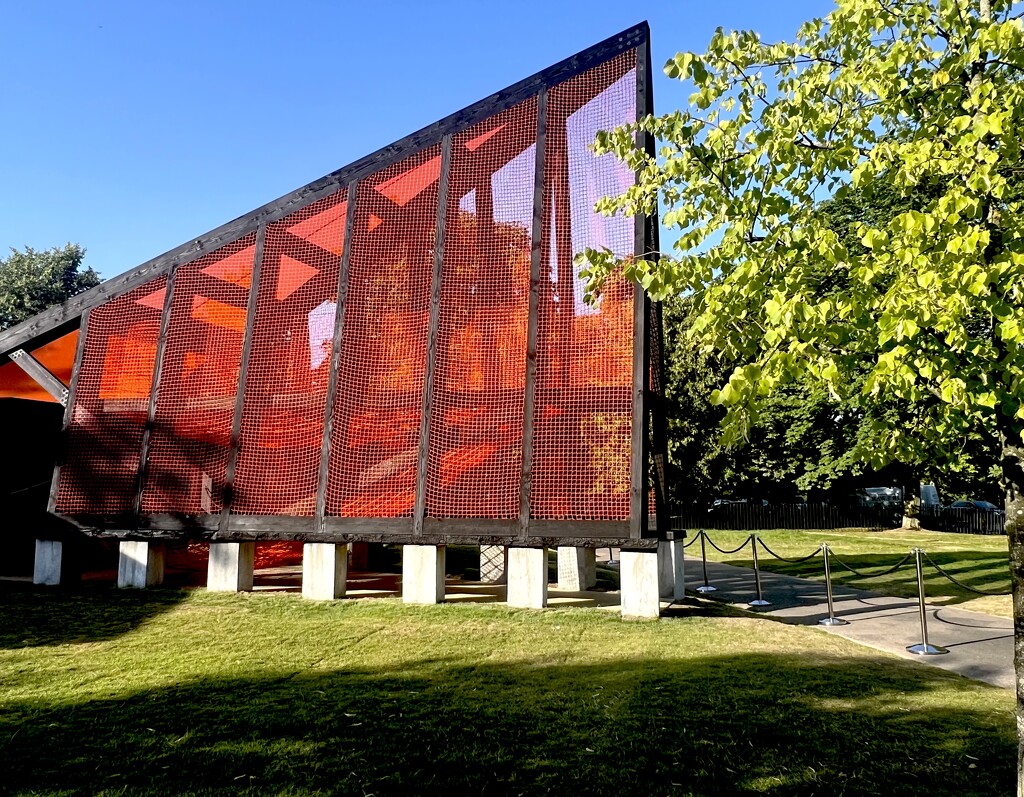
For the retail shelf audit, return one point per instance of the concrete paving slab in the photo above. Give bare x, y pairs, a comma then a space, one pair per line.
980, 645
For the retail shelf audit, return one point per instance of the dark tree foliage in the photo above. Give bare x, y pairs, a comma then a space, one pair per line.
31, 281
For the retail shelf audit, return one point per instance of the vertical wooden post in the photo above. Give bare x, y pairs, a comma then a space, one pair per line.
641, 371
69, 410
533, 320
332, 379
420, 508
154, 388
243, 370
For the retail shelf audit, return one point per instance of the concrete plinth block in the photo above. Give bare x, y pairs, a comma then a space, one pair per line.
230, 567
324, 570
671, 579
577, 568
493, 563
140, 564
48, 562
639, 584
527, 578
423, 573
677, 560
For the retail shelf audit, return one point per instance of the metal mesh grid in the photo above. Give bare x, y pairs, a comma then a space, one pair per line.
582, 427
376, 432
105, 427
476, 432
190, 440
286, 383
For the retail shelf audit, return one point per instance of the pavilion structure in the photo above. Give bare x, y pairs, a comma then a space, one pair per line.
399, 352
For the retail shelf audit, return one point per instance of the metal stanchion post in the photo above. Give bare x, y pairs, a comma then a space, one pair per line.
831, 619
759, 600
704, 564
611, 557
923, 649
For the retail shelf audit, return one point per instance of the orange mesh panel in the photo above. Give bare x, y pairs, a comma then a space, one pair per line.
582, 428
111, 403
476, 432
286, 385
189, 444
376, 431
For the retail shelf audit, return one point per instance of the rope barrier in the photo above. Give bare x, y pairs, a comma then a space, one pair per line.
711, 542
691, 542
960, 583
892, 569
811, 555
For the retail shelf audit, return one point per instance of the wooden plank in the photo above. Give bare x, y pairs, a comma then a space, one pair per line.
470, 527
420, 509
41, 374
533, 322
638, 458
154, 389
243, 371
76, 369
332, 380
279, 208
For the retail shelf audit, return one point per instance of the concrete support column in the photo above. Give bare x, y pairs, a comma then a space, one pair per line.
140, 564
230, 568
493, 563
527, 577
639, 584
577, 568
48, 562
671, 568
324, 570
423, 573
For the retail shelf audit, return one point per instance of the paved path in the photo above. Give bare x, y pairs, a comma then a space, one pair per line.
980, 645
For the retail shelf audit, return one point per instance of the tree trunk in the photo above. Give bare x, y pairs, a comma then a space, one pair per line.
1012, 466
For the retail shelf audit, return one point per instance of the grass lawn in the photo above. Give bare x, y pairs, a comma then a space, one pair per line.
980, 561
167, 692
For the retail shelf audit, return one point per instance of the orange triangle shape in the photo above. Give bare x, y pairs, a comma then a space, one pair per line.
154, 300
403, 188
292, 275
374, 222
326, 229
474, 144
236, 268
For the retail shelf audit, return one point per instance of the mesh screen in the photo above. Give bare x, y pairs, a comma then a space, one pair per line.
476, 431
191, 435
111, 404
582, 428
286, 383
376, 432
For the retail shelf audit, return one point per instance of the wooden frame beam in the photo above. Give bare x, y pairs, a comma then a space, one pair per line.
41, 374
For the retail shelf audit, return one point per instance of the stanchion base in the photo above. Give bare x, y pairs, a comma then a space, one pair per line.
926, 650
760, 602
833, 621
707, 588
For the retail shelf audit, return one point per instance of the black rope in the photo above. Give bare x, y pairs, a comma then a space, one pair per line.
691, 542
892, 569
721, 551
785, 559
960, 583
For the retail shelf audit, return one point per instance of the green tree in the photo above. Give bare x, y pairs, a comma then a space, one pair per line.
31, 281
923, 96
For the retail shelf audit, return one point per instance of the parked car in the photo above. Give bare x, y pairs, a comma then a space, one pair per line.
976, 516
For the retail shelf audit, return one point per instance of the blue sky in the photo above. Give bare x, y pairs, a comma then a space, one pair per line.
132, 127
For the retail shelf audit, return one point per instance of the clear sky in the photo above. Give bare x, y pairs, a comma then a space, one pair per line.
132, 127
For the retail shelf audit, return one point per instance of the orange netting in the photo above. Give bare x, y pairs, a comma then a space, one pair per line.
289, 367
100, 472
377, 415
190, 441
476, 431
583, 423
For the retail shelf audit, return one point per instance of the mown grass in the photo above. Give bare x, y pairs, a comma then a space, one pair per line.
979, 561
168, 693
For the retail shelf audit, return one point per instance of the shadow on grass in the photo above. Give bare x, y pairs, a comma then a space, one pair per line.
738, 724
82, 618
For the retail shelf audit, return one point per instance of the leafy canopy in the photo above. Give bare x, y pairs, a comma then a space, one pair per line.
31, 281
923, 98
